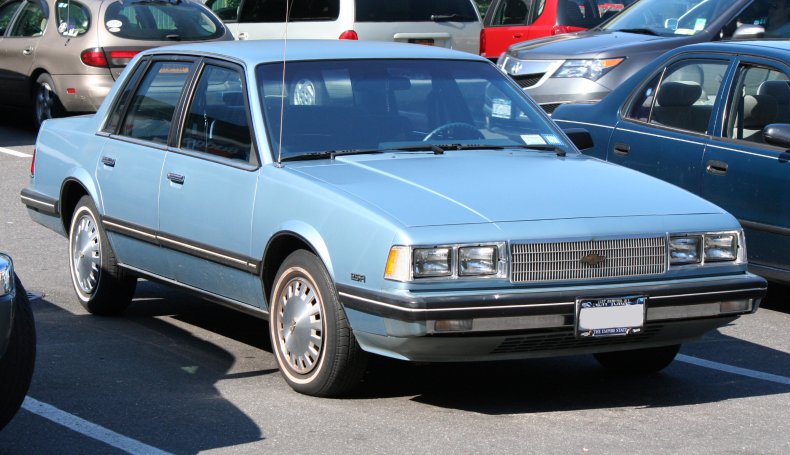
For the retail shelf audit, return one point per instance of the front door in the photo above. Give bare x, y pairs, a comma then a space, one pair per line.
19, 51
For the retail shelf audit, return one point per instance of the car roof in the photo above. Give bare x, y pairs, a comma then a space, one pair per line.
263, 51
778, 47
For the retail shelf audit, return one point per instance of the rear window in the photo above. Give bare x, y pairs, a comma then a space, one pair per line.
161, 20
415, 11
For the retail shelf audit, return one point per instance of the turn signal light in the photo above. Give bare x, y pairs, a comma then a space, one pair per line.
349, 34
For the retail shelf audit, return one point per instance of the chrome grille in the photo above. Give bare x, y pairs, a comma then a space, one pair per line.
533, 262
528, 80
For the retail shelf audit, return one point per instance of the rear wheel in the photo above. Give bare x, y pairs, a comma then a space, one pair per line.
47, 105
639, 361
16, 365
311, 337
101, 285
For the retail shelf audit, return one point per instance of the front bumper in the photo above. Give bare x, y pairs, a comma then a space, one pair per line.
539, 322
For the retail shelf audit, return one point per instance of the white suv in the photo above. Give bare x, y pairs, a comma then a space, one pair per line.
452, 24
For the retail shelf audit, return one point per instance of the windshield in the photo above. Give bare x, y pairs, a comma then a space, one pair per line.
352, 105
668, 17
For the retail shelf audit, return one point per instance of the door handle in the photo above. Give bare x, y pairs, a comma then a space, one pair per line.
243, 35
622, 149
717, 167
517, 35
27, 51
107, 161
176, 178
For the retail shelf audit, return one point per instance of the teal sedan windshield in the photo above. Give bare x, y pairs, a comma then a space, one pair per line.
345, 106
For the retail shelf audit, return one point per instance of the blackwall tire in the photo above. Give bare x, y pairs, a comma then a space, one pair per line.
311, 338
46, 104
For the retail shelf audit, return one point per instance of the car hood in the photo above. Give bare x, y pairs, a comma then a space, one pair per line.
593, 44
468, 187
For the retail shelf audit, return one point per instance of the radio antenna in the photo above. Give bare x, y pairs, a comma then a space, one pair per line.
288, 5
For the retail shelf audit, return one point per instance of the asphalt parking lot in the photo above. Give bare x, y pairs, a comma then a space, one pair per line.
180, 375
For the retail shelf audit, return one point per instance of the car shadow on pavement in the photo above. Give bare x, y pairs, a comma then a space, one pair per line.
139, 376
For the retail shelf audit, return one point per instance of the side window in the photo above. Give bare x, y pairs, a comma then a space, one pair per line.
227, 10
512, 12
686, 94
31, 22
274, 10
760, 96
123, 98
217, 120
6, 14
771, 14
73, 18
151, 110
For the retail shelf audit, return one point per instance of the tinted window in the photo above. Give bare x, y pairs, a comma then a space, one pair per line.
685, 97
122, 99
373, 104
414, 10
160, 21
31, 22
217, 120
227, 10
512, 12
151, 111
73, 18
274, 10
761, 96
6, 14
774, 15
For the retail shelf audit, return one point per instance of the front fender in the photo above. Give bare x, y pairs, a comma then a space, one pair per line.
311, 236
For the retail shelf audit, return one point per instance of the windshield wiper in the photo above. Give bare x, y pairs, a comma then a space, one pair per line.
640, 31
448, 17
540, 147
332, 154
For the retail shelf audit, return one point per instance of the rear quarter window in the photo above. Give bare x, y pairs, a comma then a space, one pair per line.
73, 18
161, 20
414, 10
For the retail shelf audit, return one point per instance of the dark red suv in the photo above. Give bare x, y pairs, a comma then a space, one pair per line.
511, 21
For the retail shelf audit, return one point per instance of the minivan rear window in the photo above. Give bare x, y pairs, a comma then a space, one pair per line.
160, 20
415, 11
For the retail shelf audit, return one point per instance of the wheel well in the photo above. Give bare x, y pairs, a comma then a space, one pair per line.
33, 77
70, 195
278, 249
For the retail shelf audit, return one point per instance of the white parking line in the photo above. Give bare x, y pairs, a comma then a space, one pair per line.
15, 153
89, 429
734, 370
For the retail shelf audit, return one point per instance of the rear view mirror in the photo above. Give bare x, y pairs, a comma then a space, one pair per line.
671, 24
581, 138
777, 134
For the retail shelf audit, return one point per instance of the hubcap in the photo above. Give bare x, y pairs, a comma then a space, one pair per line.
86, 255
44, 102
299, 325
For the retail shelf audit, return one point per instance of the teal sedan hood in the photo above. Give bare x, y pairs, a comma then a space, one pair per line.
469, 187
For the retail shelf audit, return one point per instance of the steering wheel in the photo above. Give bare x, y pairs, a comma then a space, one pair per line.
447, 131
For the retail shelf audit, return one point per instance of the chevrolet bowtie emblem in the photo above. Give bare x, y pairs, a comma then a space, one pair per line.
593, 260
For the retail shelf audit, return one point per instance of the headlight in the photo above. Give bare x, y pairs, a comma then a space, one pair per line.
685, 250
477, 260
705, 248
721, 247
432, 262
591, 69
446, 262
6, 275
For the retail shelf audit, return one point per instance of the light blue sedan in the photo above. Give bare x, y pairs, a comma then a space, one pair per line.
399, 200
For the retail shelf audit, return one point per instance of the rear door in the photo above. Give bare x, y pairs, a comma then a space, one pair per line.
747, 176
131, 164
507, 22
666, 126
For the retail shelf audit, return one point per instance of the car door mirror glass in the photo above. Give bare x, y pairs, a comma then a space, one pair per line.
777, 134
671, 24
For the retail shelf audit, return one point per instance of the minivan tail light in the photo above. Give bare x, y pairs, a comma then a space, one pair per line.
349, 34
559, 29
122, 57
94, 57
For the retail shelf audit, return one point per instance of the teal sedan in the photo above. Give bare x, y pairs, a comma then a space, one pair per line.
380, 199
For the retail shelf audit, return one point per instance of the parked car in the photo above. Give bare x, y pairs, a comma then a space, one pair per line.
586, 66
17, 342
453, 24
512, 21
62, 56
369, 198
715, 120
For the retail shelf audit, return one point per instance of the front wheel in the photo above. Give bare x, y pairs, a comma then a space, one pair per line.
311, 337
639, 361
101, 285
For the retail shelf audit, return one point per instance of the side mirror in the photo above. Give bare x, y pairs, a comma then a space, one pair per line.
581, 138
671, 24
777, 134
748, 31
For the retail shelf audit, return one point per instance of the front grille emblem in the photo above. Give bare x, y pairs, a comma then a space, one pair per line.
593, 260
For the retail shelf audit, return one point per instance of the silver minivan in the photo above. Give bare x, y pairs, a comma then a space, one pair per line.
452, 24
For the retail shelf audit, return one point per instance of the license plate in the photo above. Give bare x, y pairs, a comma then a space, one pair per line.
610, 316
427, 41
